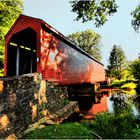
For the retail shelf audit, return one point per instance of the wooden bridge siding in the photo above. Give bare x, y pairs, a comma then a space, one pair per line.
57, 61
65, 65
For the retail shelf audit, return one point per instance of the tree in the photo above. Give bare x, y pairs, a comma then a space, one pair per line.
89, 41
136, 18
9, 11
99, 10
117, 61
96, 10
135, 68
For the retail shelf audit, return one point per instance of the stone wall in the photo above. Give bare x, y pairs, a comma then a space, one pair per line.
27, 98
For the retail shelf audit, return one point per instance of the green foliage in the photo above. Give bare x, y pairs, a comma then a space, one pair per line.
117, 83
1, 53
94, 10
101, 125
117, 62
129, 86
126, 74
66, 101
9, 11
129, 91
107, 125
89, 41
1, 72
99, 10
136, 18
134, 68
124, 83
110, 126
61, 131
138, 88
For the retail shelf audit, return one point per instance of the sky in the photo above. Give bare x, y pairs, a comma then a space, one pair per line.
117, 30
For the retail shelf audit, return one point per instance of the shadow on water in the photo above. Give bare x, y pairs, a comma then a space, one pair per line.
113, 101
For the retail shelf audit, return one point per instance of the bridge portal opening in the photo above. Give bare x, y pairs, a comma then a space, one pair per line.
22, 53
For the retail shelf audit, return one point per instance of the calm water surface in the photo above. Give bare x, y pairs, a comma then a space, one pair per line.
109, 100
112, 100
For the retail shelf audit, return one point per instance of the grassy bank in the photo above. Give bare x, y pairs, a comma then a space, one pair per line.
62, 131
105, 125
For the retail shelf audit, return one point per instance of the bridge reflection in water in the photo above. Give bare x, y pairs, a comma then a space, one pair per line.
111, 100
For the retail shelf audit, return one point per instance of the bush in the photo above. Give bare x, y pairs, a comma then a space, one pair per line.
110, 126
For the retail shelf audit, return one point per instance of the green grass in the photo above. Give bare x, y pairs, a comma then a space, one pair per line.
121, 125
62, 131
106, 125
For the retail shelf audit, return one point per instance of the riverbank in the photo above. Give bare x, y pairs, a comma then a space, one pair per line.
119, 122
105, 125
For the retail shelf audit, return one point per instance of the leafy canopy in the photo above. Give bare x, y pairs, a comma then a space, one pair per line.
89, 41
99, 10
96, 10
136, 18
9, 12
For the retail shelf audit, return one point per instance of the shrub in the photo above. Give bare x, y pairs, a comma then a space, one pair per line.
110, 126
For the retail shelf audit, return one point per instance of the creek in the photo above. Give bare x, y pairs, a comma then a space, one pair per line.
111, 100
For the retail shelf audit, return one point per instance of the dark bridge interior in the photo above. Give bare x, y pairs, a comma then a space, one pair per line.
21, 53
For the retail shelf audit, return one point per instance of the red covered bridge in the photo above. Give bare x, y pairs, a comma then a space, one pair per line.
31, 45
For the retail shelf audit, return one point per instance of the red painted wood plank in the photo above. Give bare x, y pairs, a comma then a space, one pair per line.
65, 65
